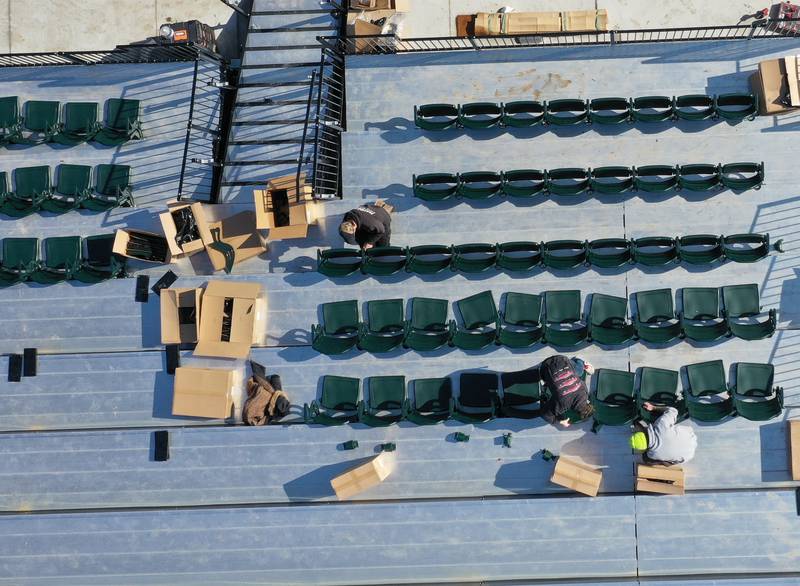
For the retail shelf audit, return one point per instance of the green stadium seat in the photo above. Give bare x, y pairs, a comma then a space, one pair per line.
695, 107
655, 250
338, 402
566, 112
435, 186
428, 328
384, 399
522, 394
611, 180
613, 398
609, 110
73, 186
523, 113
736, 106
10, 120
754, 396
479, 115
112, 188
699, 177
568, 181
339, 262
743, 313
520, 323
339, 330
608, 320
431, 402
702, 319
655, 178
20, 260
435, 116
384, 260
428, 259
524, 183
609, 252
709, 398
62, 259
122, 123
33, 186
564, 308
41, 120
519, 256
653, 108
479, 318
100, 263
80, 124
477, 399
564, 254
655, 319
699, 249
479, 184
385, 327
659, 387
474, 257
745, 247
742, 176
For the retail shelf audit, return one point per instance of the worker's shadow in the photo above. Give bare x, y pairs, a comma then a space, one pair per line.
396, 130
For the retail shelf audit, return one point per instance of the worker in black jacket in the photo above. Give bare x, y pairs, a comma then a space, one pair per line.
368, 225
563, 378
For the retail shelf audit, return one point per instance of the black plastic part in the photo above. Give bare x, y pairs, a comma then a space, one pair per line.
173, 357
142, 286
165, 281
29, 361
258, 369
161, 440
14, 368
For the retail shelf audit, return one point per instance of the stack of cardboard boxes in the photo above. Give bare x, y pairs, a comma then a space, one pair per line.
367, 18
487, 24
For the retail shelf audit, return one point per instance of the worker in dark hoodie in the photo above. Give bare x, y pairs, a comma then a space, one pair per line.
569, 396
368, 225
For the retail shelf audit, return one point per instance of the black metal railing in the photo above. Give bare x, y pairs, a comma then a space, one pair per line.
390, 44
156, 53
204, 145
329, 124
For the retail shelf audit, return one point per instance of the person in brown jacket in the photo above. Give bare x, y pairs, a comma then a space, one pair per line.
265, 400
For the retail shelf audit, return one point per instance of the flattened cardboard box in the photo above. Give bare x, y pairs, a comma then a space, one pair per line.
577, 476
771, 85
122, 238
203, 392
180, 315
516, 23
660, 479
364, 476
232, 319
794, 447
170, 229
241, 234
284, 211
585, 20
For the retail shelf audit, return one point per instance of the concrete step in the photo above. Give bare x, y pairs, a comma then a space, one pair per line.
252, 153
301, 38
291, 132
276, 76
277, 93
267, 6
281, 56
270, 112
273, 21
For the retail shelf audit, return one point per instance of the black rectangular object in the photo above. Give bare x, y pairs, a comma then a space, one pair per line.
165, 281
29, 360
187, 315
161, 440
194, 31
14, 368
142, 286
280, 205
173, 358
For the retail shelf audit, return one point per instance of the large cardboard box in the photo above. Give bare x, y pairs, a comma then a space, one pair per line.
577, 476
202, 236
231, 317
284, 211
790, 64
180, 315
241, 234
772, 87
794, 447
516, 23
203, 392
585, 20
660, 479
122, 238
364, 476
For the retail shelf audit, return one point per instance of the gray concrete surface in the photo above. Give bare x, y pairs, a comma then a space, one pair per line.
67, 25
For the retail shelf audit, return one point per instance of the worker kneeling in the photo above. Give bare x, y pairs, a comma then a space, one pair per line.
368, 225
569, 396
664, 441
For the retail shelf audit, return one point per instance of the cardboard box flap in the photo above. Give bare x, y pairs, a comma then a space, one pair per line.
645, 485
203, 392
661, 473
577, 476
363, 476
240, 232
241, 289
176, 327
794, 447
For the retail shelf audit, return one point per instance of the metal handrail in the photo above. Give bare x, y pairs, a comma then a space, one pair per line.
300, 160
155, 53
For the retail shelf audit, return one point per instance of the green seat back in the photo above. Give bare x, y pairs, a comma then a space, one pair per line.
660, 387
385, 315
477, 398
428, 259
736, 106
32, 182
73, 180
654, 250
524, 182
695, 107
608, 319
431, 400
62, 252
742, 301
611, 180
613, 397
80, 117
522, 393
339, 262
121, 114
564, 254
562, 306
474, 257
428, 314
384, 260
568, 181
41, 116
707, 378
754, 396
435, 116
742, 176
698, 249
522, 309
9, 112
20, 254
479, 115
519, 256
745, 247
435, 186
700, 302
383, 393
653, 108
566, 112
699, 176
4, 190
609, 252
655, 311
99, 250
523, 113
479, 184
340, 393
340, 317
113, 180
478, 310
656, 178
609, 110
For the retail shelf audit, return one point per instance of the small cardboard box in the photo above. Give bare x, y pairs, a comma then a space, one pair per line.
794, 447
231, 317
203, 392
362, 477
123, 236
516, 23
660, 479
790, 64
772, 86
203, 236
585, 20
241, 234
577, 476
180, 315
282, 210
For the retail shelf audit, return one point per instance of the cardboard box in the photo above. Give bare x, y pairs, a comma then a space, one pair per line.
516, 23
284, 211
203, 236
660, 479
232, 315
241, 234
577, 476
465, 25
794, 447
122, 238
790, 64
180, 315
364, 476
203, 392
397, 5
585, 20
772, 87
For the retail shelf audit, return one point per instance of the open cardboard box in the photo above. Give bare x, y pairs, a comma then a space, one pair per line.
241, 234
660, 479
577, 476
204, 392
202, 234
122, 238
180, 315
771, 84
284, 211
232, 318
363, 476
